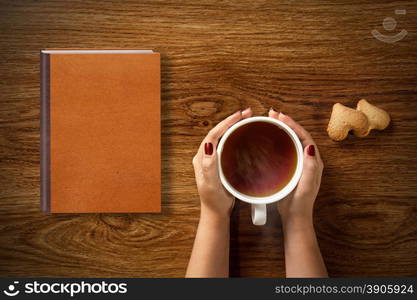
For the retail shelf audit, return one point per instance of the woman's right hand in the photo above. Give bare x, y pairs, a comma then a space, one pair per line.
299, 204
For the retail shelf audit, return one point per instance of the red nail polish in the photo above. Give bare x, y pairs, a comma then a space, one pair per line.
311, 150
208, 148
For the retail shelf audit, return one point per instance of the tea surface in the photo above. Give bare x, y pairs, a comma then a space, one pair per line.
259, 159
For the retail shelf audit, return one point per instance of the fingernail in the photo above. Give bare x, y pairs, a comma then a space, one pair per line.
208, 148
238, 112
311, 150
271, 109
246, 110
282, 113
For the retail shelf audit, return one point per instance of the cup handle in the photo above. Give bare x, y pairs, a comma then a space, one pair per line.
259, 214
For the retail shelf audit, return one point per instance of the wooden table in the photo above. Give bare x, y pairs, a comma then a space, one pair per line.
300, 57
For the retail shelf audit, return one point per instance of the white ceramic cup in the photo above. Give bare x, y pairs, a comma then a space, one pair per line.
259, 203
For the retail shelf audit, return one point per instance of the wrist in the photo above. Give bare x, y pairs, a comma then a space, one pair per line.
298, 222
213, 217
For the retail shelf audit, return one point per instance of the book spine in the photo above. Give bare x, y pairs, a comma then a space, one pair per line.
45, 157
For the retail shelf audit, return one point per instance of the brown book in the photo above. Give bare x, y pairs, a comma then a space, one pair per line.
100, 131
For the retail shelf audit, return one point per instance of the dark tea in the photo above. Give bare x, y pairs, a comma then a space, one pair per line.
259, 159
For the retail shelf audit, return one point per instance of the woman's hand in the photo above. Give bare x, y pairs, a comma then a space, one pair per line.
215, 200
210, 255
299, 204
302, 253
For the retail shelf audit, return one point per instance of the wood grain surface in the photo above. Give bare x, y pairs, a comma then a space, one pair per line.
300, 57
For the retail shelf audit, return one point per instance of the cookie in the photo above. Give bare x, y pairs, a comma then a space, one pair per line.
377, 118
344, 119
361, 121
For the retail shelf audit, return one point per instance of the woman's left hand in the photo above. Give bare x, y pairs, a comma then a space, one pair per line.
215, 200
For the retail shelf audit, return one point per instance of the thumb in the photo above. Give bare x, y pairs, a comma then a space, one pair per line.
310, 176
209, 163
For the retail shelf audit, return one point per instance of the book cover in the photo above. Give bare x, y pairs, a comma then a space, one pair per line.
100, 131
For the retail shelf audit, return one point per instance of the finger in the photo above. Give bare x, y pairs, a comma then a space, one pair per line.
209, 157
247, 113
209, 162
303, 134
273, 114
216, 132
311, 176
213, 135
